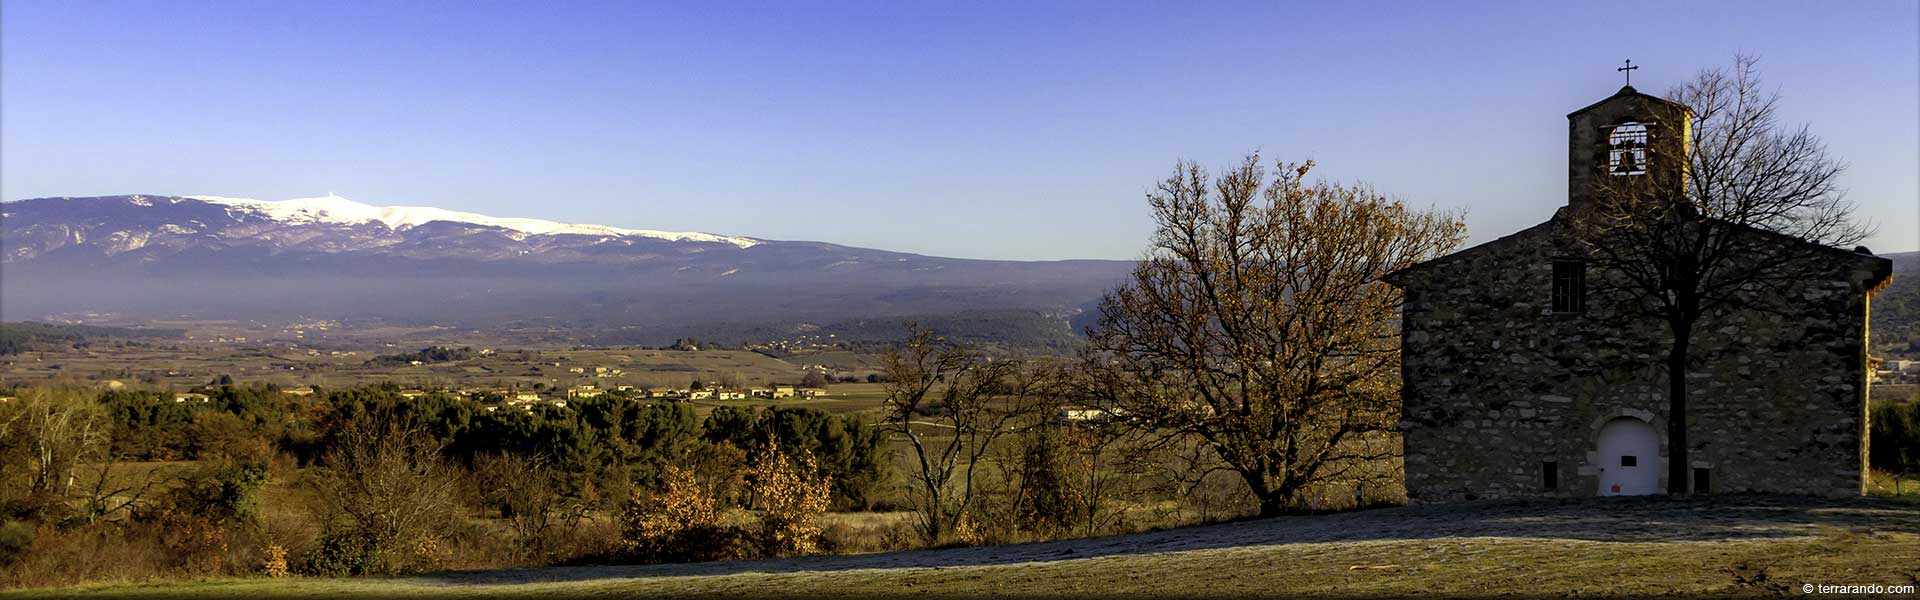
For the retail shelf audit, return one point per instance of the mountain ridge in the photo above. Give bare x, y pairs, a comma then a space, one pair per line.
338, 209
152, 256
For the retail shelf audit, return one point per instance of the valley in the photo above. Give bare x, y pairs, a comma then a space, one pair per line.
327, 356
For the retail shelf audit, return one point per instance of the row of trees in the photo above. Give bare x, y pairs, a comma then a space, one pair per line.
390, 476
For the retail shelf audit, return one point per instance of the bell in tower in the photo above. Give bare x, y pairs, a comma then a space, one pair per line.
1628, 137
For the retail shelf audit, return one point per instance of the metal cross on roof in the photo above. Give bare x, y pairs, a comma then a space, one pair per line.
1628, 70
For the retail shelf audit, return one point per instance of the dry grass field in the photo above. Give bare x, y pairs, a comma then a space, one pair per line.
1725, 546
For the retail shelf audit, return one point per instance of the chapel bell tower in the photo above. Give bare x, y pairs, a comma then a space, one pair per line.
1629, 138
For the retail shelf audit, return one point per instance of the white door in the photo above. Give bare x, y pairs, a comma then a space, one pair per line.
1629, 458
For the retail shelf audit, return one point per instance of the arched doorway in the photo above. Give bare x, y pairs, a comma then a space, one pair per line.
1629, 458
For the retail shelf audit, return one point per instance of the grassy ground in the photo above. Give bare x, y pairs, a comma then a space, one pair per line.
1619, 547
1881, 483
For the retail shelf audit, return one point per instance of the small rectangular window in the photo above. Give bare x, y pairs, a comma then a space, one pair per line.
1569, 286
1629, 460
1702, 480
1550, 474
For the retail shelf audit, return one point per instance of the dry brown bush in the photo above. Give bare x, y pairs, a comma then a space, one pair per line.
384, 493
853, 537
104, 552
197, 545
276, 563
680, 504
679, 523
792, 495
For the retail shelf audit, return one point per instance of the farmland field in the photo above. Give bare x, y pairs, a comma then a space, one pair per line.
257, 356
1603, 547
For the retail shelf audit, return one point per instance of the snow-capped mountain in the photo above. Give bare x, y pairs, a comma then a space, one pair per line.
337, 210
148, 227
326, 256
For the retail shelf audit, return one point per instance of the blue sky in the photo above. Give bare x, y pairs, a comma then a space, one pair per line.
1017, 130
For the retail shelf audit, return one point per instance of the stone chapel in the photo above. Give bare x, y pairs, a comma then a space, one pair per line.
1514, 387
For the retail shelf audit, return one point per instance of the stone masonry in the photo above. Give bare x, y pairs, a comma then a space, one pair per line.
1498, 387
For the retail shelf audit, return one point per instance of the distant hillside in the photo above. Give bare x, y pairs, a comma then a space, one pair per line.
37, 337
1896, 310
1013, 330
331, 258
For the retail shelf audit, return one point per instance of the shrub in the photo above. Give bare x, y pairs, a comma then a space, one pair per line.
1053, 472
843, 537
276, 563
525, 492
679, 523
197, 545
221, 435
386, 492
343, 552
1894, 445
850, 452
15, 538
721, 468
793, 494
91, 553
228, 492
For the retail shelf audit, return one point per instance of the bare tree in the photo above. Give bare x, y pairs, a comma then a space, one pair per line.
1753, 210
526, 492
1257, 323
387, 483
1076, 473
110, 495
951, 404
45, 437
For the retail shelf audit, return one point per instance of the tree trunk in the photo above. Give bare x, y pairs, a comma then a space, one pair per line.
1677, 407
1273, 503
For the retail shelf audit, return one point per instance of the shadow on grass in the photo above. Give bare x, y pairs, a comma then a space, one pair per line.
1647, 519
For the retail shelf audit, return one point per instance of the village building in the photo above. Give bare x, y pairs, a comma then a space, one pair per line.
1082, 415
1519, 382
